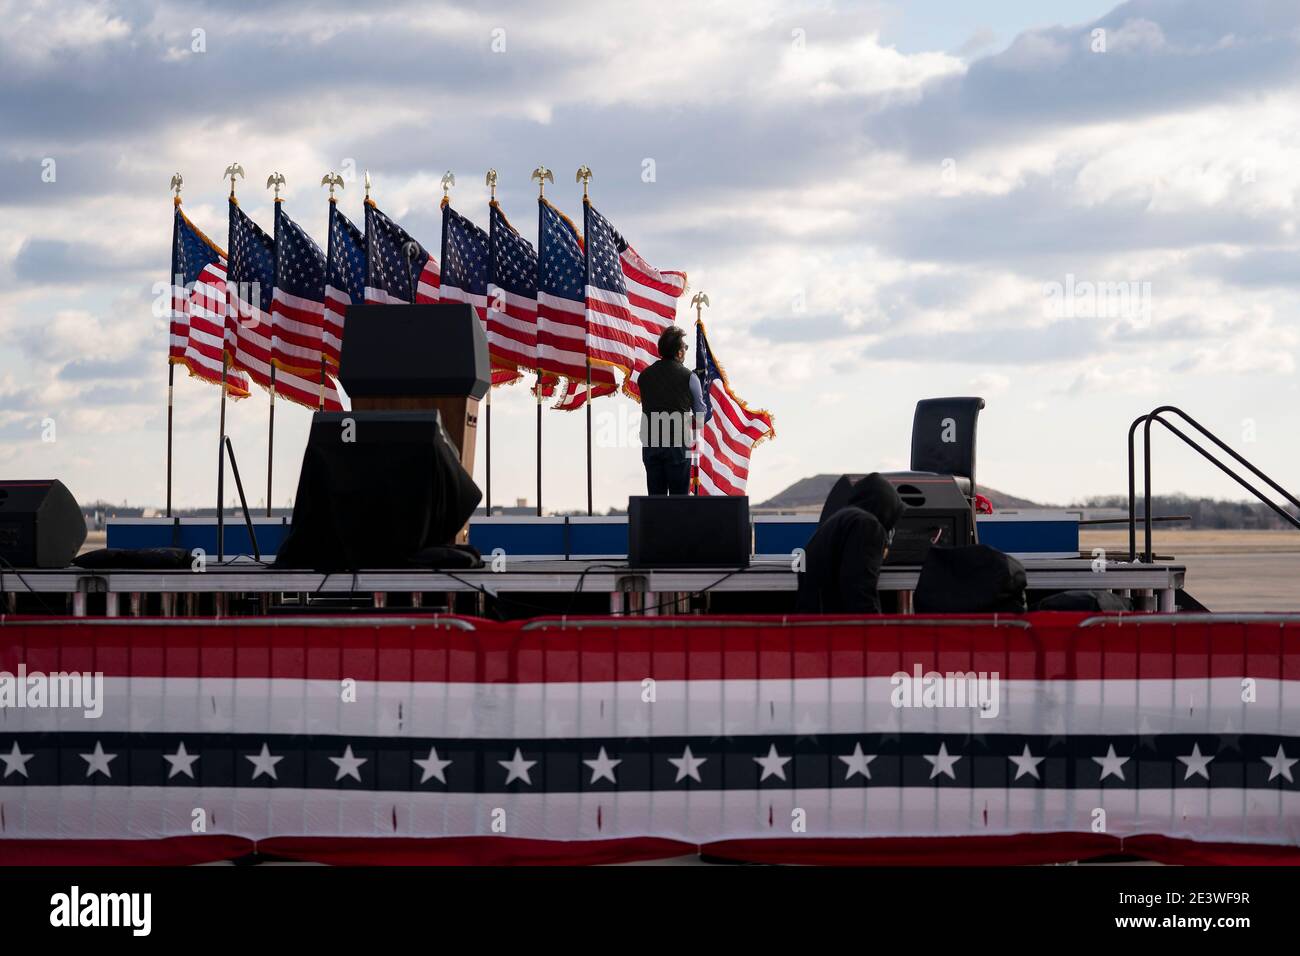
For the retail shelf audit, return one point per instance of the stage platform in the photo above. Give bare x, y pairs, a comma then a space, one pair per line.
1032, 533
628, 590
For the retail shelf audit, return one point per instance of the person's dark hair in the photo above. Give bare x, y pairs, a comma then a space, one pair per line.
670, 341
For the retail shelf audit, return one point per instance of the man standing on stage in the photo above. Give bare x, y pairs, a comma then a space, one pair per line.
671, 405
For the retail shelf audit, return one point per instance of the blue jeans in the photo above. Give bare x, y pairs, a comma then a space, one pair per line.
667, 470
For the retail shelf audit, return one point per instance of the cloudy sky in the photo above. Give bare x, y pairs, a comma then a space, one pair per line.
884, 201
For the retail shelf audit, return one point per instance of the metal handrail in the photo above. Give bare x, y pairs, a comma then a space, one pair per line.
1155, 416
618, 623
1131, 619
334, 622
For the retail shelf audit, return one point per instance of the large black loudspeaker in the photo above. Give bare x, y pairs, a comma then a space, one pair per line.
685, 531
943, 438
937, 512
376, 488
41, 525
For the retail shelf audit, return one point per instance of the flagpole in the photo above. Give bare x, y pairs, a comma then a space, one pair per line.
541, 175
700, 300
539, 443
171, 366
171, 386
588, 436
584, 177
330, 179
233, 170
275, 180
489, 180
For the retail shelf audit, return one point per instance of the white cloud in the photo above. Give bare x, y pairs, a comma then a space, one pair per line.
1171, 159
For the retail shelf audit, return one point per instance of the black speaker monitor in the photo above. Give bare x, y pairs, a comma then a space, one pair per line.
937, 513
686, 531
376, 488
41, 524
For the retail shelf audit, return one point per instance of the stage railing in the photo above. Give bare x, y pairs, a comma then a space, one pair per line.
1155, 416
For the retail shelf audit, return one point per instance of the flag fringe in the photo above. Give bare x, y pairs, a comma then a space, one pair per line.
201, 234
232, 390
576, 231
625, 387
301, 370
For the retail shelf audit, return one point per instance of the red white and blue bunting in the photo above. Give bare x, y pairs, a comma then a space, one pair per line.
415, 740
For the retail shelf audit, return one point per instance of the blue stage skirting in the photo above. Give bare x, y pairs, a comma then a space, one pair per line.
1045, 534
191, 533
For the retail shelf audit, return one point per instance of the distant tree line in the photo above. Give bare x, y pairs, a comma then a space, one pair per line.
1205, 512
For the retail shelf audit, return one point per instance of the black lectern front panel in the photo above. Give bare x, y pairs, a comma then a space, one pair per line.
400, 350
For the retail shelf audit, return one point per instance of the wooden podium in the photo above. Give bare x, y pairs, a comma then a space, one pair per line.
419, 357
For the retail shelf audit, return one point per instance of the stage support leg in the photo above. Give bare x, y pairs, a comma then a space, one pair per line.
1168, 600
79, 603
110, 604
381, 600
905, 602
135, 603
616, 603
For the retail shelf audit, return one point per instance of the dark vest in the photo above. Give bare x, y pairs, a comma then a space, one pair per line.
666, 392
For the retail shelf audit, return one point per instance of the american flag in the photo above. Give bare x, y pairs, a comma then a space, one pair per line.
345, 279
298, 300
465, 265
512, 284
205, 331
464, 262
561, 310
191, 252
731, 428
754, 726
629, 302
391, 266
249, 329
250, 281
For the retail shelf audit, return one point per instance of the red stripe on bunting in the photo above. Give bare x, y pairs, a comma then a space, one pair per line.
1051, 647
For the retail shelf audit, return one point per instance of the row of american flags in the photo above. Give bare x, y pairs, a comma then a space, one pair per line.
580, 310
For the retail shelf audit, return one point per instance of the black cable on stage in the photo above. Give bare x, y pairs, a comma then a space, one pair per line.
19, 575
703, 590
